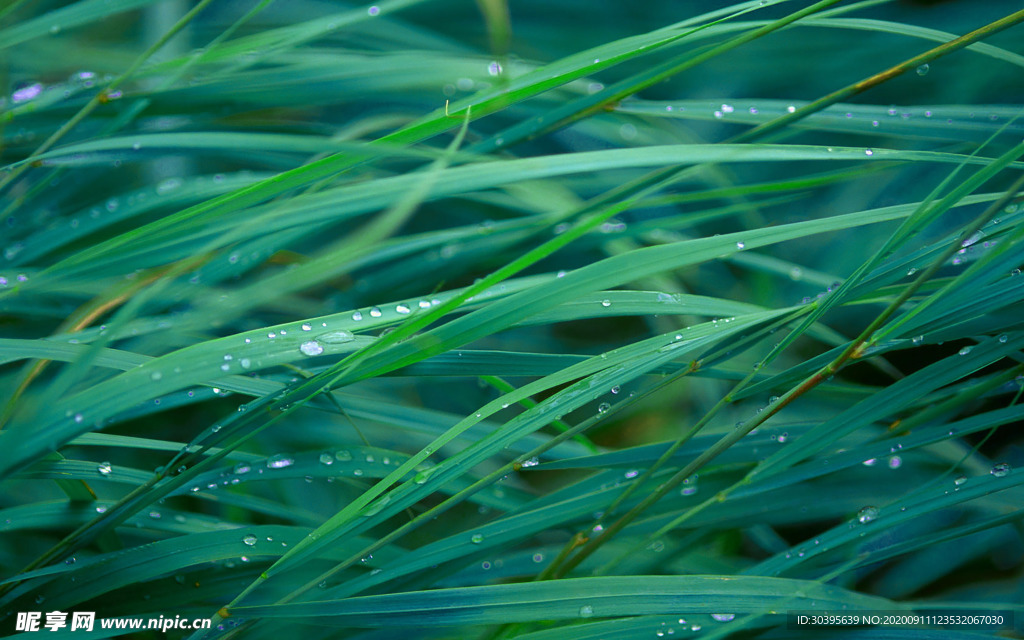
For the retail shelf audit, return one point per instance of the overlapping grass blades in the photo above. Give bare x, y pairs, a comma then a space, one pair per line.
416, 319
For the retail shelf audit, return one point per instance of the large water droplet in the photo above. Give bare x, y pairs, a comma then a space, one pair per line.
250, 540
867, 514
104, 469
923, 69
724, 617
311, 348
477, 538
336, 337
279, 461
1002, 469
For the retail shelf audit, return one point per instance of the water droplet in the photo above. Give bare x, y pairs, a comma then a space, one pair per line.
375, 312
373, 11
603, 407
586, 611
606, 303
741, 245
311, 348
250, 540
895, 462
279, 461
867, 514
615, 389
242, 468
964, 351
917, 339
494, 68
168, 185
357, 315
477, 538
1001, 470
923, 69
326, 458
959, 480
336, 337
104, 469
343, 455
402, 308
870, 462
1003, 338
724, 617
26, 93
869, 152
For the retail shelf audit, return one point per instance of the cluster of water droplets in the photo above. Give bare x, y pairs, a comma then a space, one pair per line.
6, 281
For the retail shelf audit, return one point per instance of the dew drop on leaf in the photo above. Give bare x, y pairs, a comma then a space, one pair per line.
249, 540
279, 461
311, 348
867, 514
336, 337
1001, 470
